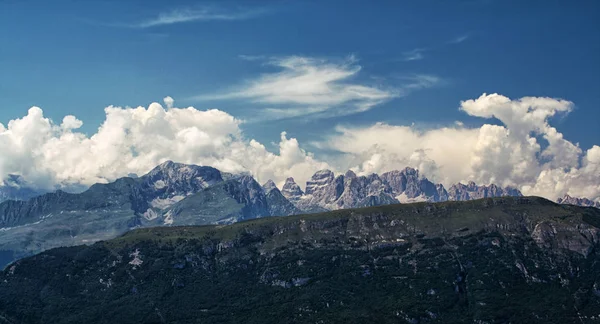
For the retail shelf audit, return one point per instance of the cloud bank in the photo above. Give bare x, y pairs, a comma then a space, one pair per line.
525, 151
134, 140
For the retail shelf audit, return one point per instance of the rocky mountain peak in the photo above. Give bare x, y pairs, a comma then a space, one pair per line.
350, 174
472, 191
165, 165
408, 171
566, 199
177, 174
319, 179
249, 183
170, 182
511, 191
472, 186
584, 202
323, 174
396, 180
269, 185
291, 190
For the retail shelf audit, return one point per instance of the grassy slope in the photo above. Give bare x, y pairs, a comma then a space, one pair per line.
431, 219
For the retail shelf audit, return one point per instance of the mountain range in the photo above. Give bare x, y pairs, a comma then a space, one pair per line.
174, 194
583, 202
491, 260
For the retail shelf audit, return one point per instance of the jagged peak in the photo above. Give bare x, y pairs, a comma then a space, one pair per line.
350, 174
580, 201
565, 197
269, 185
170, 168
391, 173
166, 165
291, 189
410, 171
469, 186
325, 173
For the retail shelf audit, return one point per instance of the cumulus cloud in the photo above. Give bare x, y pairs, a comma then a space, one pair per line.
316, 87
134, 140
525, 152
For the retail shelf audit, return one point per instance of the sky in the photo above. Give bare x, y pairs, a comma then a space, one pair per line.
484, 90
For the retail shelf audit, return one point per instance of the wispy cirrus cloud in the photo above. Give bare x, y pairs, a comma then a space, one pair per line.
459, 39
195, 14
419, 53
414, 55
315, 88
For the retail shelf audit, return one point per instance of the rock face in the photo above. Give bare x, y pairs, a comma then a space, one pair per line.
584, 202
291, 190
408, 186
170, 182
495, 260
269, 185
461, 192
325, 191
277, 202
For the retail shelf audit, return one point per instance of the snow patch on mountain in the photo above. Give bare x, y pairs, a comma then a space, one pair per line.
159, 184
166, 202
150, 214
168, 218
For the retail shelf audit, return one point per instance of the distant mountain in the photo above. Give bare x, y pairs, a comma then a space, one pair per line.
492, 260
170, 194
471, 191
278, 204
584, 202
14, 187
325, 191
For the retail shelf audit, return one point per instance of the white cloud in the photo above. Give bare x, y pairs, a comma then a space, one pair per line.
419, 53
134, 140
316, 87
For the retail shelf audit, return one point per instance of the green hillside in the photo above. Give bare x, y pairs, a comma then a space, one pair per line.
500, 260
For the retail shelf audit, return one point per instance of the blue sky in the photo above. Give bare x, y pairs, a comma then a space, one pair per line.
78, 57
328, 73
